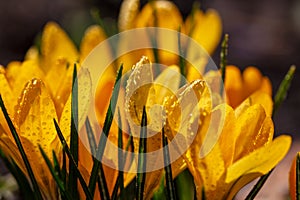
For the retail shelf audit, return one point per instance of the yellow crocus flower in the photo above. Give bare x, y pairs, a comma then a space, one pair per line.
204, 27
244, 150
36, 91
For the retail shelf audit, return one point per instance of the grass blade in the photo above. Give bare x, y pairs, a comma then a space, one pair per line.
120, 180
252, 194
141, 170
223, 61
91, 137
72, 181
160, 193
70, 156
105, 133
58, 181
56, 165
283, 88
121, 160
181, 58
102, 185
184, 183
171, 190
101, 177
64, 168
37, 192
203, 193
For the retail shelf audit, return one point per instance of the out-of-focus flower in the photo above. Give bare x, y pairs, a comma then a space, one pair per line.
204, 27
37, 91
239, 86
249, 87
293, 179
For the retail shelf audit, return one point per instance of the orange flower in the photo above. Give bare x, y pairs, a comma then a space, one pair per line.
240, 86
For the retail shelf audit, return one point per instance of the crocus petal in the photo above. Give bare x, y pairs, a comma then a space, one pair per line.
12, 69
138, 85
266, 86
93, 36
32, 54
292, 179
162, 14
23, 73
234, 86
252, 80
255, 126
128, 12
259, 97
162, 10
205, 28
7, 95
211, 170
260, 162
56, 45
228, 136
166, 83
34, 116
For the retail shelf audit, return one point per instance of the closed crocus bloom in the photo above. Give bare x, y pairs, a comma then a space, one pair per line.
204, 28
240, 85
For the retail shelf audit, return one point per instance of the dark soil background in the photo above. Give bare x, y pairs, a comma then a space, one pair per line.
264, 33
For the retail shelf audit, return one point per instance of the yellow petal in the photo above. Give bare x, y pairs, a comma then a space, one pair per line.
32, 54
34, 116
7, 95
258, 97
10, 149
228, 136
180, 106
254, 126
266, 86
60, 89
205, 28
137, 89
167, 83
252, 80
12, 69
23, 73
160, 13
93, 36
39, 167
260, 161
211, 170
163, 14
56, 45
103, 93
234, 86
128, 11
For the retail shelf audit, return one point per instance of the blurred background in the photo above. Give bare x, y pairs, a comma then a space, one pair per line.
263, 33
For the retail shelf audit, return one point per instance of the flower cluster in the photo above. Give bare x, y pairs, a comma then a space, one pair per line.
39, 90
